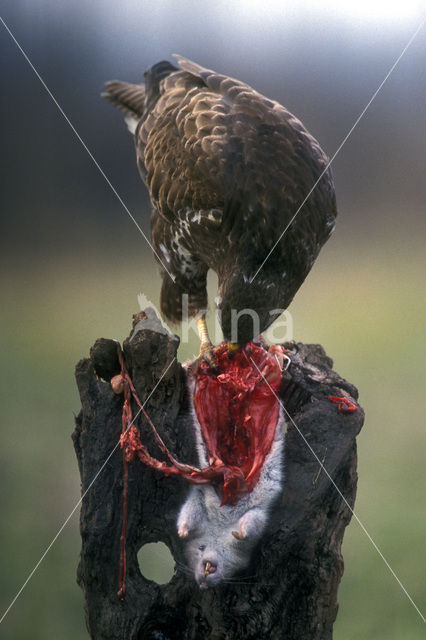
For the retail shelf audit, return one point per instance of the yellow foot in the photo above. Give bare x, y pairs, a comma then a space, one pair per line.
206, 355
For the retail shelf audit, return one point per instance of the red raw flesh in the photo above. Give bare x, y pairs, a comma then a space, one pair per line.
238, 412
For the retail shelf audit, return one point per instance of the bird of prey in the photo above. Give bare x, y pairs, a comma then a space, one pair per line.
227, 169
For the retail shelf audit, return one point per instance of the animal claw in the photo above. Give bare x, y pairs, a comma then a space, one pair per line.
206, 356
183, 531
238, 535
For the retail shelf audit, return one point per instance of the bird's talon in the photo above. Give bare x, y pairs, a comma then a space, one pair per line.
207, 354
206, 357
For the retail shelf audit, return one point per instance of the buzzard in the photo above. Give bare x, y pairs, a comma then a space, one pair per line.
227, 169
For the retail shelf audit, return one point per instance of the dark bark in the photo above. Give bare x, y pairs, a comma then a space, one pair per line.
298, 563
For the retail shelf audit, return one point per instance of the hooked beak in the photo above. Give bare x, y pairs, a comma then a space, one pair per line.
232, 348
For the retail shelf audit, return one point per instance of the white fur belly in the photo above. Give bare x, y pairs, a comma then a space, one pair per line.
222, 538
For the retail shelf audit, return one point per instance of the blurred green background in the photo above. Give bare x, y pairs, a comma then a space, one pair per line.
73, 265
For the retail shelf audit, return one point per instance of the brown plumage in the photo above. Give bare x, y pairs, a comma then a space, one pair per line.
226, 169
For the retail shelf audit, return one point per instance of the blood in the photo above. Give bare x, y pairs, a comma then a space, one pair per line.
343, 404
126, 419
237, 410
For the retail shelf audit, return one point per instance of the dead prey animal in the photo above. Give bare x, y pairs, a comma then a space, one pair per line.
220, 538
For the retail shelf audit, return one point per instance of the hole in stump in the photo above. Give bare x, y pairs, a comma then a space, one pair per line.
156, 562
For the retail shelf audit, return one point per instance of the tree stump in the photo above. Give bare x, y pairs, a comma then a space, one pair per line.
297, 566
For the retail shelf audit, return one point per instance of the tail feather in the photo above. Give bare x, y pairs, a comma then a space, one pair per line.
128, 98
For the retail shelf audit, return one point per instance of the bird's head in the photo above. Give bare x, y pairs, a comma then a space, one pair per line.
246, 307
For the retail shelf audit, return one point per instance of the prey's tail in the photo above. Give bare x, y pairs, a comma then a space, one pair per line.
128, 98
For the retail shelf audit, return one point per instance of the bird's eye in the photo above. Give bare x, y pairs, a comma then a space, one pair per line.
202, 547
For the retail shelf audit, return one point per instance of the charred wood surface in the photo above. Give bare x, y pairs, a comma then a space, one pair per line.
295, 570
